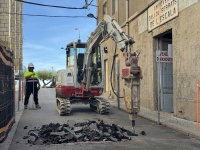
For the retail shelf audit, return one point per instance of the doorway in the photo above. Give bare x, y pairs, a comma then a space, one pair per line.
165, 72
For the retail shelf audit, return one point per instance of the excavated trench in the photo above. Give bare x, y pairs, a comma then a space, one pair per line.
72, 132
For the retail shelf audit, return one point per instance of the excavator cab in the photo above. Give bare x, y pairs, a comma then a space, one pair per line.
76, 53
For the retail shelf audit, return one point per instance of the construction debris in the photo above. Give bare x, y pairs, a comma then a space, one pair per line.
89, 131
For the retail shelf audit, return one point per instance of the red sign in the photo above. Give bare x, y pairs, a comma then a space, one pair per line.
125, 72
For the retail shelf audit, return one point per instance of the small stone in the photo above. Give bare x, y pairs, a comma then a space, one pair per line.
25, 137
78, 129
78, 136
71, 123
67, 129
113, 139
93, 126
143, 133
106, 134
58, 133
38, 141
31, 139
131, 133
69, 137
32, 133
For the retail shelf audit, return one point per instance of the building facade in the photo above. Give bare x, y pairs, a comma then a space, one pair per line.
167, 35
11, 29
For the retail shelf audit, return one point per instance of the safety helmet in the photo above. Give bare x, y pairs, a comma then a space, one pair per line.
31, 65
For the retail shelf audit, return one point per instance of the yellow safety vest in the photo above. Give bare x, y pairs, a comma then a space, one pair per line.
32, 78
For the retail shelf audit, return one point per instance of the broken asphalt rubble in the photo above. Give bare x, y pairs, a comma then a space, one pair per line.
77, 132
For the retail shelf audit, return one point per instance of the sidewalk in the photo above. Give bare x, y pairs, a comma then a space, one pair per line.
6, 144
167, 119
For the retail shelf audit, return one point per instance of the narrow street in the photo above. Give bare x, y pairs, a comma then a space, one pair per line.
157, 137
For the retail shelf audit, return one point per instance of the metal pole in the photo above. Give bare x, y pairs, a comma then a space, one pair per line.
118, 84
159, 84
19, 89
78, 32
52, 72
159, 96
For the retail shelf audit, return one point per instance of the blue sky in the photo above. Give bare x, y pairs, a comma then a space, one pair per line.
44, 37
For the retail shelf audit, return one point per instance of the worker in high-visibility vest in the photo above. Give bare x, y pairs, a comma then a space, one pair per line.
32, 86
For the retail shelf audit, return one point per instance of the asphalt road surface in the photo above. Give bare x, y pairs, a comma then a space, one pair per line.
157, 136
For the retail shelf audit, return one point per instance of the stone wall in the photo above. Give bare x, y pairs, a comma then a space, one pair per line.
11, 28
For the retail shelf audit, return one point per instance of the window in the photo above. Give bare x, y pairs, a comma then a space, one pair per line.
97, 67
80, 49
70, 56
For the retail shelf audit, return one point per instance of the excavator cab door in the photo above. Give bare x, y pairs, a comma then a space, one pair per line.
93, 69
75, 57
97, 67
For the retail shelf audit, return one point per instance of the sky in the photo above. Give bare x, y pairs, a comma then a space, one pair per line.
43, 37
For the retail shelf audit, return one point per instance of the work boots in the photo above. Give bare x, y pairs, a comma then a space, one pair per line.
37, 106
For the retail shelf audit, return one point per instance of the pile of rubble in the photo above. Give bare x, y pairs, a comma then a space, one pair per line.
77, 132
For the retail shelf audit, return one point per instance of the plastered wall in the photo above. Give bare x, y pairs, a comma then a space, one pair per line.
186, 53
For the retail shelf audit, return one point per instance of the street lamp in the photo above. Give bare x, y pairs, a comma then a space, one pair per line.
79, 40
78, 31
90, 15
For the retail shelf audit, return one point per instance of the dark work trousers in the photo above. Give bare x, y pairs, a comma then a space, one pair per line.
29, 90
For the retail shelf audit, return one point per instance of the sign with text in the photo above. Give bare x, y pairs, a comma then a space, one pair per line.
161, 12
162, 56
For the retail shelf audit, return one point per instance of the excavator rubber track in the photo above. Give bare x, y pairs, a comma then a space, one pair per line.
99, 105
63, 106
102, 106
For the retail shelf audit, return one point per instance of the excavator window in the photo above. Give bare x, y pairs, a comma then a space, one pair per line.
80, 60
96, 67
70, 56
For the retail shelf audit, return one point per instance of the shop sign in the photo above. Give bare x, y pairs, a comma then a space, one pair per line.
161, 12
163, 56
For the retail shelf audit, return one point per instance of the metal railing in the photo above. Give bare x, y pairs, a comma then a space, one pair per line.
7, 103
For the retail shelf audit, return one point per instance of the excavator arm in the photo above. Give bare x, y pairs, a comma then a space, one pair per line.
109, 28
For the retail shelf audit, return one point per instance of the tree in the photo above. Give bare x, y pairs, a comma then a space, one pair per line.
45, 76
